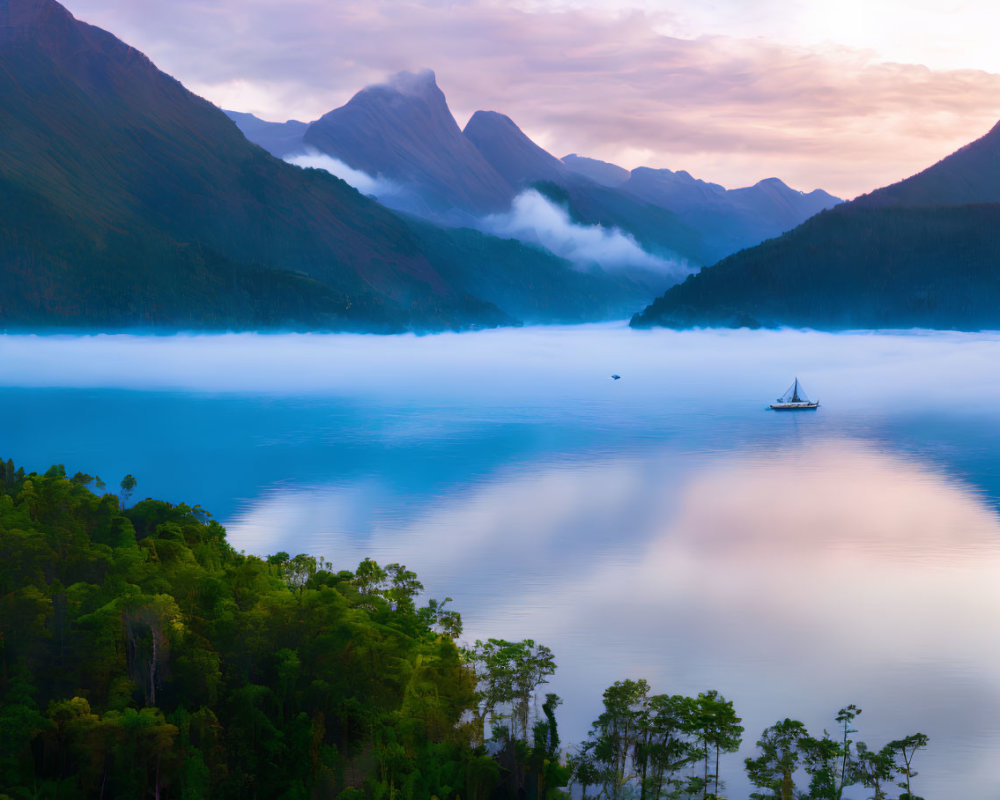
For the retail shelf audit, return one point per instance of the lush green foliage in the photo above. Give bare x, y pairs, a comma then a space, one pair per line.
140, 655
659, 746
669, 747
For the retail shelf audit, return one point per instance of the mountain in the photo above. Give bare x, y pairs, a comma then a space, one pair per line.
526, 165
730, 219
601, 172
510, 152
669, 213
532, 285
404, 131
280, 139
127, 200
969, 175
920, 253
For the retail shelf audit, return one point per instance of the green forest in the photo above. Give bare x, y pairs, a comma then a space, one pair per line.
141, 656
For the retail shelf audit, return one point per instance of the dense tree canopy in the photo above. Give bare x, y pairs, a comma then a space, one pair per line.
140, 655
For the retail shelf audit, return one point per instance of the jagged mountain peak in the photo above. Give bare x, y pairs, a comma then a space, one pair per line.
403, 129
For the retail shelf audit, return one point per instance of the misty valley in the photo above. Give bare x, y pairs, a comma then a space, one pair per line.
665, 526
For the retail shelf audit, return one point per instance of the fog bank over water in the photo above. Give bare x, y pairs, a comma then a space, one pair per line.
529, 365
665, 525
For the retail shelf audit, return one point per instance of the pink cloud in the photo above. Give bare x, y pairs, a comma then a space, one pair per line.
609, 86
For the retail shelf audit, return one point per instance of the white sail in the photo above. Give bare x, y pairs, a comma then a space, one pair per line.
794, 394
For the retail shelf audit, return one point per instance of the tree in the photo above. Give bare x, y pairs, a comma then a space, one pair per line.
717, 728
830, 764
616, 732
820, 758
664, 747
903, 751
449, 621
874, 768
774, 769
845, 717
544, 759
127, 487
583, 769
508, 673
299, 570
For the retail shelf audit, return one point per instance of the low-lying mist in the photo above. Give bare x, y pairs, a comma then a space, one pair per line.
533, 219
734, 369
382, 189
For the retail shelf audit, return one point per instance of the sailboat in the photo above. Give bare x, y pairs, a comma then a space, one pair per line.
794, 400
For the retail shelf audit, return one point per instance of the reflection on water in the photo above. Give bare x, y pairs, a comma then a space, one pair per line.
794, 581
662, 526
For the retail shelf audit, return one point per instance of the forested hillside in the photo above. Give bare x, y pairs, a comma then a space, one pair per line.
141, 656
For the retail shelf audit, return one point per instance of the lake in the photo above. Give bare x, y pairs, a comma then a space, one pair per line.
665, 525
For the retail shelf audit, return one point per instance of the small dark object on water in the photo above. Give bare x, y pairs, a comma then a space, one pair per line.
616, 377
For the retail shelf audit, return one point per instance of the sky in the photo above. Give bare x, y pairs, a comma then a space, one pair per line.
845, 96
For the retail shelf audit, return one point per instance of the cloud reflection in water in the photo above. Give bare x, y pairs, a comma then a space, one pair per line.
795, 582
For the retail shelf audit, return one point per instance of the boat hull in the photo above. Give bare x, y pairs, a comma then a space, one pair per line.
794, 406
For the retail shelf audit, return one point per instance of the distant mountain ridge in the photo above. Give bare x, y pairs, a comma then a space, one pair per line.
403, 130
739, 217
924, 252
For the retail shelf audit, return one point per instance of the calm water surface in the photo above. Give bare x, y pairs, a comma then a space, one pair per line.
663, 526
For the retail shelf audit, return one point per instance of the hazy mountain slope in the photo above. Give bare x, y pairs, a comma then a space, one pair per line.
698, 221
893, 258
403, 130
598, 171
524, 164
969, 175
122, 173
531, 284
657, 230
280, 139
732, 219
510, 152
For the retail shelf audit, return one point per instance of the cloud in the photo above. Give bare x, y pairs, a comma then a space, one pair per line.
380, 188
662, 88
535, 219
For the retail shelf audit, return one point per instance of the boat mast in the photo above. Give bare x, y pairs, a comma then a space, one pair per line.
795, 391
